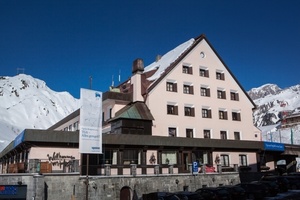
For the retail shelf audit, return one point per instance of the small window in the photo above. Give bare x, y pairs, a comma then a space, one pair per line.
237, 135
222, 114
206, 113
188, 89
223, 135
187, 70
234, 96
243, 160
221, 94
171, 87
189, 133
189, 111
220, 76
206, 133
172, 132
168, 157
70, 127
224, 160
131, 157
204, 72
110, 113
205, 92
236, 116
172, 110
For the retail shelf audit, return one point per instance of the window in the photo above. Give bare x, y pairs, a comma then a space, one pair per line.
75, 126
187, 70
243, 160
110, 157
206, 133
70, 127
237, 135
236, 116
172, 132
110, 113
222, 114
220, 76
223, 135
221, 94
224, 160
171, 87
234, 96
172, 110
206, 113
205, 92
131, 156
203, 72
168, 157
189, 133
188, 89
189, 111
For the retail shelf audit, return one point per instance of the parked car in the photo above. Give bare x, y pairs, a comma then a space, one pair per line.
160, 196
282, 182
255, 191
294, 181
185, 195
273, 187
236, 192
214, 193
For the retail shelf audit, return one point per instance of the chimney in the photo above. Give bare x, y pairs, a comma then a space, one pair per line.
138, 66
136, 80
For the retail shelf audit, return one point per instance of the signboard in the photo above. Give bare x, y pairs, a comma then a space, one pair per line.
13, 191
273, 146
90, 130
19, 139
195, 168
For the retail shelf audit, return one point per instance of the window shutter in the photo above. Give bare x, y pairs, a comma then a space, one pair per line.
206, 73
176, 110
225, 115
208, 92
224, 95
239, 116
190, 70
209, 114
222, 76
193, 112
191, 89
237, 96
175, 87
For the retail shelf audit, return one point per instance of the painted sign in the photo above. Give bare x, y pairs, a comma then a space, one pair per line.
90, 130
273, 146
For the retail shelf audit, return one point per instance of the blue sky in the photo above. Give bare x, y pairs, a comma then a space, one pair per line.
65, 42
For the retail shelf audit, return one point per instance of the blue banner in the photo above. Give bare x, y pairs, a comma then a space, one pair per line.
273, 146
19, 139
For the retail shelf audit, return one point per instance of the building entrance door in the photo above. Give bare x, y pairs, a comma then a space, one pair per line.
186, 160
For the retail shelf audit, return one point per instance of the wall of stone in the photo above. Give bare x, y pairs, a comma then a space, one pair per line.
73, 186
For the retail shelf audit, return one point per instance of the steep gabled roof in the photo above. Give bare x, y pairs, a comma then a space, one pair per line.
187, 47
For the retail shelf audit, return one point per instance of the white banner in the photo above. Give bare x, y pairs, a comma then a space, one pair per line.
90, 130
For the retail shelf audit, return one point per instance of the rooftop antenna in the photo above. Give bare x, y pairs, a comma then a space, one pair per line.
91, 81
20, 71
119, 75
112, 80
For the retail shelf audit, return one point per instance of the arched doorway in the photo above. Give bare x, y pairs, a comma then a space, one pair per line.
125, 193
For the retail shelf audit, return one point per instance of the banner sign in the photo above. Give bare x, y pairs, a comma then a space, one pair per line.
90, 130
19, 139
273, 146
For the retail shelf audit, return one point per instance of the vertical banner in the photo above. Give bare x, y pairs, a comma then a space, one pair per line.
90, 130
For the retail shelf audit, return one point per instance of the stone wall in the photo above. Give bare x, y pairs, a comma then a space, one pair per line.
73, 186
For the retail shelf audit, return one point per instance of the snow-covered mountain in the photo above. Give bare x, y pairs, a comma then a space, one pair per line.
27, 102
271, 101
